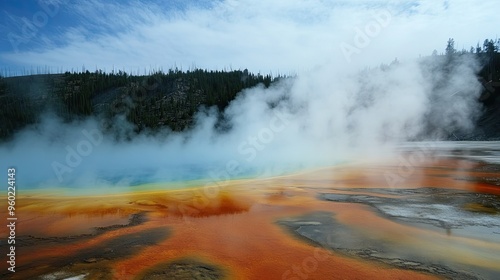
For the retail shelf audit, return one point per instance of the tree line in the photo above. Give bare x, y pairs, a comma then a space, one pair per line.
158, 100
161, 99
487, 54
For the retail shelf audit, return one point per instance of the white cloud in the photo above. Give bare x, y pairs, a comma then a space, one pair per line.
286, 36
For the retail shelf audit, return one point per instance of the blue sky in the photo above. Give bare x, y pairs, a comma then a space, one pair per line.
272, 36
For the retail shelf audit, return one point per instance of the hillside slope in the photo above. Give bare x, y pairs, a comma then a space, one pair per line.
166, 100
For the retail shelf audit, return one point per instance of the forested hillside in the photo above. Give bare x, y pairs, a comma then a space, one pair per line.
149, 102
170, 99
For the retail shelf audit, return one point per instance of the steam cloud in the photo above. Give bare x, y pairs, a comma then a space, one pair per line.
322, 117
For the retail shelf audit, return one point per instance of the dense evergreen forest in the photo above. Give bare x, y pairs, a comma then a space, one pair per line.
164, 99
487, 54
149, 102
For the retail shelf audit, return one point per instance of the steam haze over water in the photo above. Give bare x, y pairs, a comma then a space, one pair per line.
340, 107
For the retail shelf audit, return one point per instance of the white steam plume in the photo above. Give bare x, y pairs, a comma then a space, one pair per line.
322, 117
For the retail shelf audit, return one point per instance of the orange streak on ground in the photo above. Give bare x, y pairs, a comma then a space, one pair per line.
234, 227
27, 254
252, 247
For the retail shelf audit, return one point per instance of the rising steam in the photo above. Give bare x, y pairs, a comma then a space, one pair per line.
322, 117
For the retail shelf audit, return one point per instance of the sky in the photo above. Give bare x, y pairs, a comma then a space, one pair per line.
275, 36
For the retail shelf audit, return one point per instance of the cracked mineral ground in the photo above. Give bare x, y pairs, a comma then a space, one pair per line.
438, 217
